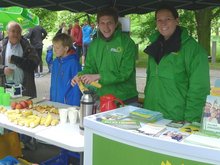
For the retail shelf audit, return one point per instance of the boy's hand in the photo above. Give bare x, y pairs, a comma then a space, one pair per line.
75, 80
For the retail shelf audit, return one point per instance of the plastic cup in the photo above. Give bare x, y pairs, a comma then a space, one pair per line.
73, 115
6, 99
63, 115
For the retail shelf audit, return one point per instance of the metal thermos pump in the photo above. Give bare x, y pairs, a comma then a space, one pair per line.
86, 107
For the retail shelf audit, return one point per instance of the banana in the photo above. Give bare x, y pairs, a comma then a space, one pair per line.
26, 113
3, 109
21, 122
48, 119
42, 121
54, 110
12, 112
29, 119
82, 87
96, 84
54, 122
35, 123
13, 116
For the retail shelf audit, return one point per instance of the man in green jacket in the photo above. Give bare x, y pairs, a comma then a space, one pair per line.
178, 71
111, 60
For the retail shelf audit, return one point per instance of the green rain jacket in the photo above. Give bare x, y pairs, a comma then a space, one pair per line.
179, 84
114, 61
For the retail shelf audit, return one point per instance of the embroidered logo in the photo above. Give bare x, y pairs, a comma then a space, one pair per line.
116, 50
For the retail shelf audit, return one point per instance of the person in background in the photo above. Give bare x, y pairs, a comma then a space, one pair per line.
49, 58
36, 36
60, 29
111, 60
178, 70
69, 29
18, 60
1, 38
17, 64
86, 39
1, 35
65, 66
64, 28
94, 31
76, 34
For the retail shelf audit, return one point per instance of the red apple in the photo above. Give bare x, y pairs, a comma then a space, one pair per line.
18, 106
23, 104
29, 102
13, 105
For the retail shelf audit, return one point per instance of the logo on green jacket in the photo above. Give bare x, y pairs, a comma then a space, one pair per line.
116, 50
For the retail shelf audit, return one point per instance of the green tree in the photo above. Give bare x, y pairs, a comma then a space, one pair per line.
204, 18
47, 18
142, 25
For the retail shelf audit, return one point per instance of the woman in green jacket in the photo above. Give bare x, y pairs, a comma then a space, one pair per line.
178, 71
111, 60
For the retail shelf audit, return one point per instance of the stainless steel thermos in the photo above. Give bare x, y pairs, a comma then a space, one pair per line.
86, 107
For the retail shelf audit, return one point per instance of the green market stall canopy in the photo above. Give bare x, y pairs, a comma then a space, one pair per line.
124, 6
18, 14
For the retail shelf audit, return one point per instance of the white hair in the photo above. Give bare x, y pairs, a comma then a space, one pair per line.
13, 23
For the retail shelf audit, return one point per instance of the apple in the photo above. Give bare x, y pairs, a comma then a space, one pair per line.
23, 104
18, 106
30, 103
13, 105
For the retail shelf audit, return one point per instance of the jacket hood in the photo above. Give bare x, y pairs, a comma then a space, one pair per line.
67, 58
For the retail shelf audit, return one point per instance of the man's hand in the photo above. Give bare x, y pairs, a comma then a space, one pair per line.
8, 71
89, 78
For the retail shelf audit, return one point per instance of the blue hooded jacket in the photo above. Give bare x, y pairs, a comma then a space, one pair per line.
61, 90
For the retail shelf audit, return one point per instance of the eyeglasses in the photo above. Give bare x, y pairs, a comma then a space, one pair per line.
165, 20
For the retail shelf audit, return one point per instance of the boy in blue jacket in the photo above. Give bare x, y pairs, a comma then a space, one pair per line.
65, 67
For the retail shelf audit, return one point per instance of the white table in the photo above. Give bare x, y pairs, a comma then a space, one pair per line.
67, 136
5, 123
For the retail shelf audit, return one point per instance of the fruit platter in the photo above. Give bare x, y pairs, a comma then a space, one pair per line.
25, 113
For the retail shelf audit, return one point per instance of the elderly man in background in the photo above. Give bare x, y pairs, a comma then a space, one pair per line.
18, 60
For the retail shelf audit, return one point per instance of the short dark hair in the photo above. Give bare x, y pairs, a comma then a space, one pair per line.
167, 7
108, 12
65, 39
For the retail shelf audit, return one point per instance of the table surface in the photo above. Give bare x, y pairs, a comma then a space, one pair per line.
67, 136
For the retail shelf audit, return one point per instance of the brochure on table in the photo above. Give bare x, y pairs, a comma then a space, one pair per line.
169, 146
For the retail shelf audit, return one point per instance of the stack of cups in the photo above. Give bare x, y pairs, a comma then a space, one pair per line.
68, 115
4, 97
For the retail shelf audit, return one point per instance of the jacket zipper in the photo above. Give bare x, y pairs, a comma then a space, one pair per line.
59, 70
